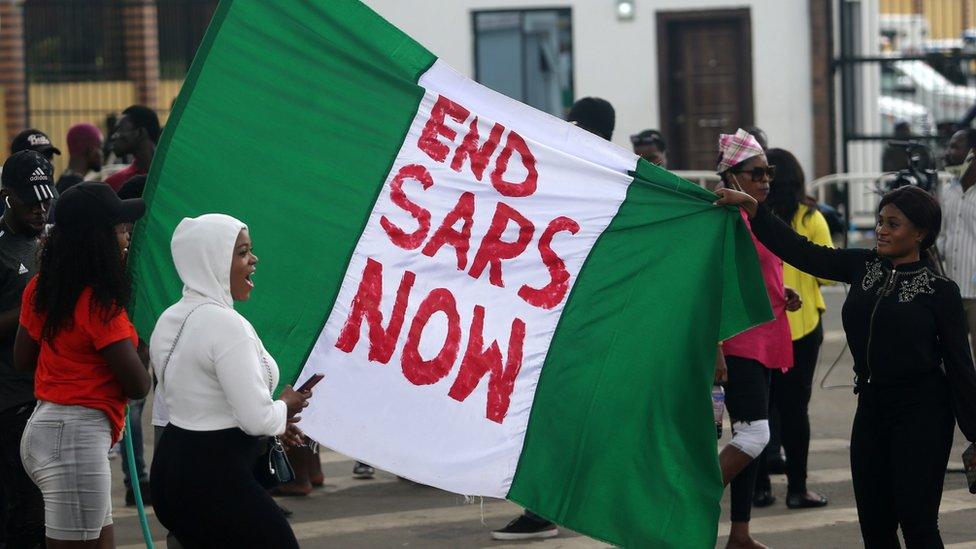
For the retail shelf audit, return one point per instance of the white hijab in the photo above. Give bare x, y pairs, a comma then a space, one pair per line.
202, 248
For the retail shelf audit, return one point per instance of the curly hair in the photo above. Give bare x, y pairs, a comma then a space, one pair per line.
72, 260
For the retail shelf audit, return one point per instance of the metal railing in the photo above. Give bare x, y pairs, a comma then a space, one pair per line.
907, 69
703, 178
863, 190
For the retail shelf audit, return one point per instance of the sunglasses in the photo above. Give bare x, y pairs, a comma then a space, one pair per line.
759, 172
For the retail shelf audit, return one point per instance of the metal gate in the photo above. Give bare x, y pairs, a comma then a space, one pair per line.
906, 72
86, 60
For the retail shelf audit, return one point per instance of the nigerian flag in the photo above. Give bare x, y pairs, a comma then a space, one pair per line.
502, 303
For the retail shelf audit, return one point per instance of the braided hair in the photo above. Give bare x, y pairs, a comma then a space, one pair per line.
71, 261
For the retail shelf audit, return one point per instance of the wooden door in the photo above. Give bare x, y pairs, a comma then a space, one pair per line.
705, 79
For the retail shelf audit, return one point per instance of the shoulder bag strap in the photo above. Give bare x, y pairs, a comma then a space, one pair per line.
177, 340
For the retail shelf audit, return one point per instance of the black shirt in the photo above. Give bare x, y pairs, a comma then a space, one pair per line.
18, 263
904, 323
66, 181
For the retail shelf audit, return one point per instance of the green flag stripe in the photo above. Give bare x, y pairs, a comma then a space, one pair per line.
589, 458
152, 289
367, 71
741, 307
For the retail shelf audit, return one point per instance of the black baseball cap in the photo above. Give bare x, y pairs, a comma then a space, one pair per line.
33, 140
650, 137
30, 176
92, 204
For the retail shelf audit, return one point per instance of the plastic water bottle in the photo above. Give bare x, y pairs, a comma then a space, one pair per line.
718, 407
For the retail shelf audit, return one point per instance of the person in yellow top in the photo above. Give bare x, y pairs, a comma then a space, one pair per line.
789, 392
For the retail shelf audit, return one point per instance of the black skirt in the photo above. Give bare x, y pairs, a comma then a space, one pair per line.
205, 493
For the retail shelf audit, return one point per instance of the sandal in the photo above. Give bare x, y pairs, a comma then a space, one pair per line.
801, 501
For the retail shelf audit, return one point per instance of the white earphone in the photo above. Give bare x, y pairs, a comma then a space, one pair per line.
6, 200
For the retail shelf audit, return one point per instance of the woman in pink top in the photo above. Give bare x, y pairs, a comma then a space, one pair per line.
746, 359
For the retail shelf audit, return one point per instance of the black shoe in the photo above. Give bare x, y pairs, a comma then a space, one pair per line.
363, 471
763, 498
130, 496
800, 501
525, 527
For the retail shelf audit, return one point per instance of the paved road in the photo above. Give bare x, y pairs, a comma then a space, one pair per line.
386, 512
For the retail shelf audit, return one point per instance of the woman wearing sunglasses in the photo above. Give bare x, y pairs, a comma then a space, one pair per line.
745, 361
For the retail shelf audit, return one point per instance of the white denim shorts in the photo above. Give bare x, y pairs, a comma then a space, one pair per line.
65, 452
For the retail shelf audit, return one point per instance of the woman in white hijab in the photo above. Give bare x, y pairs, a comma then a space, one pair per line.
215, 384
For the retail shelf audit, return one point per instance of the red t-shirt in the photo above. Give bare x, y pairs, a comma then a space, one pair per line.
117, 179
72, 372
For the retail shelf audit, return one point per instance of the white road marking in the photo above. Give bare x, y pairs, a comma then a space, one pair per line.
498, 510
821, 476
580, 542
952, 501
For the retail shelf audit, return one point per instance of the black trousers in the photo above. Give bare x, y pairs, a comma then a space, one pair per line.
25, 504
747, 399
789, 396
205, 493
900, 446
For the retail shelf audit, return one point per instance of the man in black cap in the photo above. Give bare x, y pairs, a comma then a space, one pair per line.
594, 115
34, 140
26, 189
651, 146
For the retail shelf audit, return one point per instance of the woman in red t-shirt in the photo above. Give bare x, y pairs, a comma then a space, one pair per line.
77, 338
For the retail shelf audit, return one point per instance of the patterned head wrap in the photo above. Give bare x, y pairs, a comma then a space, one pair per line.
736, 148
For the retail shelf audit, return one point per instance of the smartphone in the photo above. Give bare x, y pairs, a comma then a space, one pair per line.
967, 459
311, 382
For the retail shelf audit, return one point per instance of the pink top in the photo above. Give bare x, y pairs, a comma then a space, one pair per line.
771, 343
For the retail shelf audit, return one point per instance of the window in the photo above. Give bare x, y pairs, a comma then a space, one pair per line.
527, 55
84, 40
71, 40
182, 24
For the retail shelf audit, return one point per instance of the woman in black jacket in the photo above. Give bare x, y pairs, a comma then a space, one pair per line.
913, 369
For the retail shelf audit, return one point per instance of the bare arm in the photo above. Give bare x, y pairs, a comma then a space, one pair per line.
143, 351
26, 350
128, 368
721, 369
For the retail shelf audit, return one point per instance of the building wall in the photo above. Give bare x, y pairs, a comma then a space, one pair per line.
12, 83
92, 101
617, 60
946, 18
